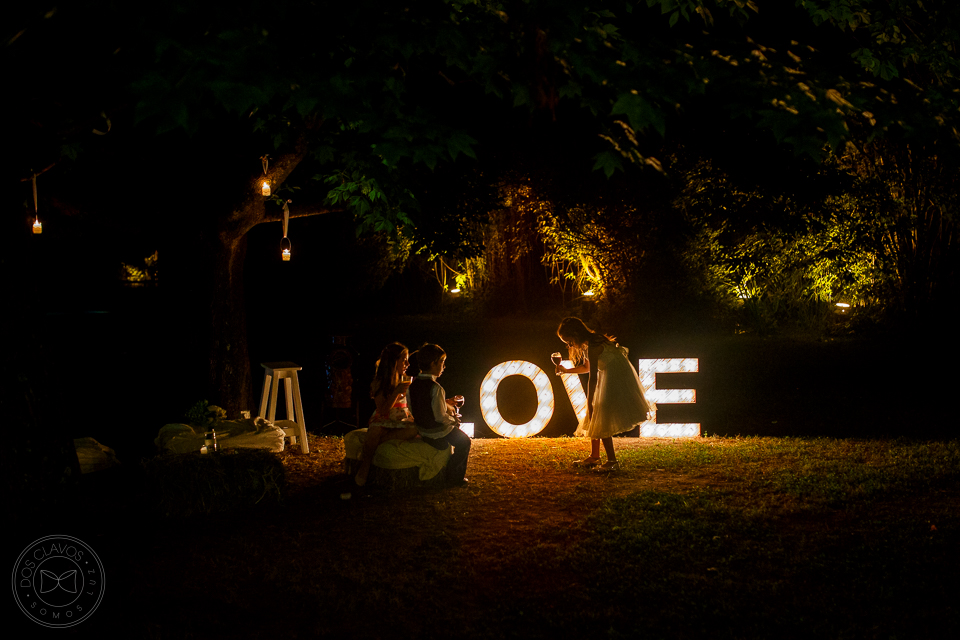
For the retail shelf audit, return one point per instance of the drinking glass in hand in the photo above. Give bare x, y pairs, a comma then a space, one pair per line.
458, 402
556, 358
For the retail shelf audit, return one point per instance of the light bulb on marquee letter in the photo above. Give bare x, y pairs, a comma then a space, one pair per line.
648, 370
488, 399
578, 399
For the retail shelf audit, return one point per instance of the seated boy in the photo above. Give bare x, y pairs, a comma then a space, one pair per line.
434, 416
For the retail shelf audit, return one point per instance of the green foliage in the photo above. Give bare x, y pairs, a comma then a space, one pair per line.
788, 270
381, 254
909, 46
290, 67
204, 415
602, 248
135, 275
904, 200
798, 276
365, 197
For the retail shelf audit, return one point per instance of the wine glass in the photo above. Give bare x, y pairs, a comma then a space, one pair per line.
556, 358
458, 402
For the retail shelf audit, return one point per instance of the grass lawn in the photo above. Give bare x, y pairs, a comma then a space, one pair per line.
713, 537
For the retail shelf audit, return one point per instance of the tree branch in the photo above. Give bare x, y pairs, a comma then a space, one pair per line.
300, 212
252, 210
38, 173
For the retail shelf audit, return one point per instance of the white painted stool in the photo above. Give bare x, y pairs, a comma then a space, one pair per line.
268, 399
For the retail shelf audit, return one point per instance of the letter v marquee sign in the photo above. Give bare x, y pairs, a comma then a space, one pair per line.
647, 368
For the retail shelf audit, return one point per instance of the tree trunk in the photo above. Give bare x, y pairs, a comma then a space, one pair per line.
229, 374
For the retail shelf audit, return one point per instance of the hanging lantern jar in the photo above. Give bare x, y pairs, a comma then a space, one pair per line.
285, 245
265, 184
37, 227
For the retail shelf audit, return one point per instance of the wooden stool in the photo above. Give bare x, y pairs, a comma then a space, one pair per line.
268, 399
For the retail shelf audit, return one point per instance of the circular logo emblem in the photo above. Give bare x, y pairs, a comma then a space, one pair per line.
58, 581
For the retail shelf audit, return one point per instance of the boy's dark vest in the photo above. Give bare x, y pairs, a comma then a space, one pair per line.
421, 407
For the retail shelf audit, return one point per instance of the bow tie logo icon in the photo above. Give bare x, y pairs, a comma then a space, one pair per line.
49, 581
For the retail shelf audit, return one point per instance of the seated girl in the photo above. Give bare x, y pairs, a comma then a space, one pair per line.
391, 420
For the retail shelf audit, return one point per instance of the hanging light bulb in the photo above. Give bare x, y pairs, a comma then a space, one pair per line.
37, 227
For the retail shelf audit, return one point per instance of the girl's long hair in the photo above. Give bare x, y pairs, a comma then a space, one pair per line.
424, 357
385, 379
582, 337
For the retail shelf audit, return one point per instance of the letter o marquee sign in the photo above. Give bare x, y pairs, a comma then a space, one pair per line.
488, 399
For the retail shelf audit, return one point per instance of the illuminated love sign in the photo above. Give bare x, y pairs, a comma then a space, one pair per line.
488, 399
647, 368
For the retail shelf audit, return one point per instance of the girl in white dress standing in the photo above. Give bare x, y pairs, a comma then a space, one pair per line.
615, 400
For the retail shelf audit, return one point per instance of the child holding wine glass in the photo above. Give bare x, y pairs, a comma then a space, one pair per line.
615, 399
391, 420
434, 415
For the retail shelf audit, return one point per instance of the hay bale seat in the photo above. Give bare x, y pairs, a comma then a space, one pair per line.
398, 465
395, 479
187, 484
